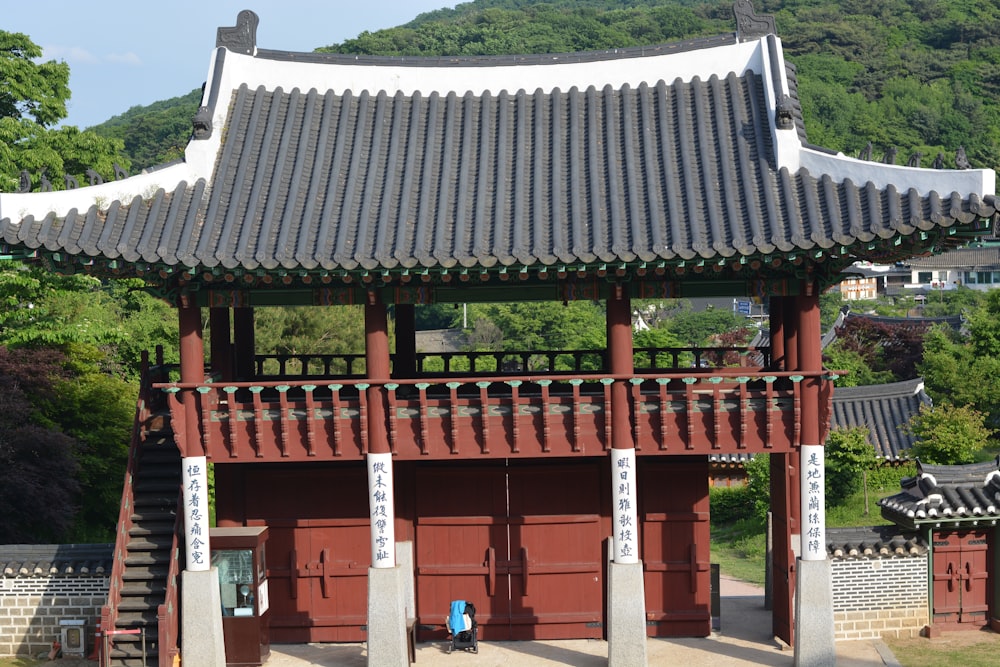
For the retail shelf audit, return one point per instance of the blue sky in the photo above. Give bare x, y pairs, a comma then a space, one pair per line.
127, 52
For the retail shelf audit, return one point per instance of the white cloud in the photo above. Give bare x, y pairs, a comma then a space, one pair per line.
129, 58
71, 54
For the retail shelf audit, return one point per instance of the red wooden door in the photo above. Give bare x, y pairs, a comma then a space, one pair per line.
675, 547
318, 550
522, 543
961, 577
460, 527
556, 559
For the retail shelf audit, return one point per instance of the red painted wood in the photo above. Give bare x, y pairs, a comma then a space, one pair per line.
246, 422
784, 484
556, 534
674, 517
960, 579
318, 551
533, 568
460, 524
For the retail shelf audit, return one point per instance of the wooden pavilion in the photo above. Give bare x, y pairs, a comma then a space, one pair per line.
552, 499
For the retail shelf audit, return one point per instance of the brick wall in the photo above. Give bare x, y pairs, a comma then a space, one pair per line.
880, 597
32, 606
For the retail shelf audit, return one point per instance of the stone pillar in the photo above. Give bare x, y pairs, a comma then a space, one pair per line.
201, 605
626, 594
814, 634
387, 644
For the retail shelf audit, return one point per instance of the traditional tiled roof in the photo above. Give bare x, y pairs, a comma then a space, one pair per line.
874, 542
960, 259
884, 410
45, 560
947, 496
676, 157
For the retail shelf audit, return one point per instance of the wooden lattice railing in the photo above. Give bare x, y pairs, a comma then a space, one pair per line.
689, 411
303, 366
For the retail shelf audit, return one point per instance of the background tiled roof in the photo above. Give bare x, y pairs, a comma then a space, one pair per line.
874, 542
947, 495
29, 560
884, 410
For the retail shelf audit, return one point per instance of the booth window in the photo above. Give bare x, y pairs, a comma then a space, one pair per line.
235, 581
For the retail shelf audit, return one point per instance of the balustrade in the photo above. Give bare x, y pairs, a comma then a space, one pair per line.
685, 411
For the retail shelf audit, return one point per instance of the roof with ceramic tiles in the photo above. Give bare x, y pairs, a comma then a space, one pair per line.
688, 159
947, 496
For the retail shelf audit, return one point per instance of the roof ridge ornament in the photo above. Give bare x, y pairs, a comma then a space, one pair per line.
748, 24
242, 37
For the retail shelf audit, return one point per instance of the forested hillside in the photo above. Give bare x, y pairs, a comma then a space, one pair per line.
908, 76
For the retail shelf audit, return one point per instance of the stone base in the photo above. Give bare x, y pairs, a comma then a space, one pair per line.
202, 643
814, 643
387, 642
626, 615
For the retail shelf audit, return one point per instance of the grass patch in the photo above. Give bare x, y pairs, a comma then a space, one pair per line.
19, 661
969, 649
738, 537
739, 548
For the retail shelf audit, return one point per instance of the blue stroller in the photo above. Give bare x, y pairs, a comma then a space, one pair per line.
462, 626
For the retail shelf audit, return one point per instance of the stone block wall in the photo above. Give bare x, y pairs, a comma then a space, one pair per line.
880, 597
32, 606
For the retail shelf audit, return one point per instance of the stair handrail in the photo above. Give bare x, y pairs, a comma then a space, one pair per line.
167, 614
109, 612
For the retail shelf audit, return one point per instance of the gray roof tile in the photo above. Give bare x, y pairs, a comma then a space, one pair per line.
947, 495
43, 560
679, 162
884, 410
874, 542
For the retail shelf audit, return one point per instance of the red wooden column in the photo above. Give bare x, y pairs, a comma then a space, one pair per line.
405, 362
812, 499
623, 463
379, 457
777, 330
814, 627
192, 352
221, 348
784, 478
244, 364
194, 464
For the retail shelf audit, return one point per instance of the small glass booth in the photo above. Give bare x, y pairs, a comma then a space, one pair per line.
238, 554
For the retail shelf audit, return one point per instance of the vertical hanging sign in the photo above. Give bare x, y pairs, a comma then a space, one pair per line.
626, 518
195, 495
813, 503
381, 505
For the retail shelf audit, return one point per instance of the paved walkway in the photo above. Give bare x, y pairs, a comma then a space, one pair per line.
745, 639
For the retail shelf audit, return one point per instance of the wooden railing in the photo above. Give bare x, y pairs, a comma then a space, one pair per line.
303, 366
109, 612
689, 411
149, 402
167, 614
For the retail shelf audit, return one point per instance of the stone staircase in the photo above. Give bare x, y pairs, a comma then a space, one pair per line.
146, 575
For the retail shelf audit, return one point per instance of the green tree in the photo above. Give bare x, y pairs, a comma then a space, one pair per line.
697, 327
949, 435
849, 456
32, 100
39, 487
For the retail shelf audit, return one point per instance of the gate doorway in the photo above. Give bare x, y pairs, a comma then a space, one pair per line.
961, 578
524, 543
673, 500
318, 550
